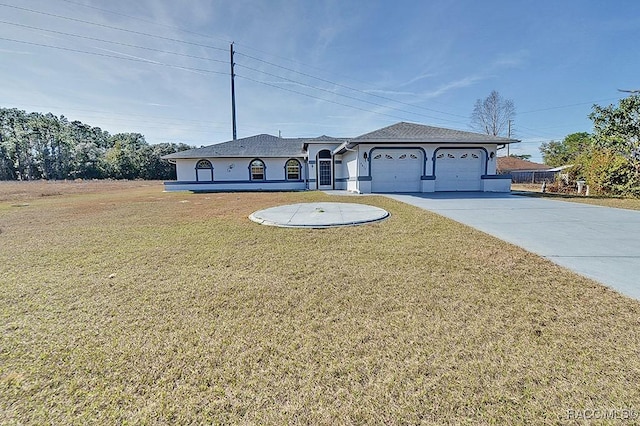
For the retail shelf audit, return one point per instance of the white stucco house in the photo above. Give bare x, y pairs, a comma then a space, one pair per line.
404, 157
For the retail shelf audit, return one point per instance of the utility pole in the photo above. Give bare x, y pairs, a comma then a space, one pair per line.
233, 95
508, 135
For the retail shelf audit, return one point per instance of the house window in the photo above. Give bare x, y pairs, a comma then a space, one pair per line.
204, 171
325, 153
204, 164
257, 169
292, 169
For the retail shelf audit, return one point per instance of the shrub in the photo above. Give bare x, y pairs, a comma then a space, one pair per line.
608, 173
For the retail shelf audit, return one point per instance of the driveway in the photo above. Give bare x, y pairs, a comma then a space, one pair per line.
601, 243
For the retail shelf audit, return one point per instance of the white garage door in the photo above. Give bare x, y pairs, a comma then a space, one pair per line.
459, 169
396, 170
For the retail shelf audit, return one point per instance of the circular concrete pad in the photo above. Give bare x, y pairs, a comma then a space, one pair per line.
319, 215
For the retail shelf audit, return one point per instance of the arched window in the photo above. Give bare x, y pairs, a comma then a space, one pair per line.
257, 169
292, 170
204, 171
204, 164
325, 153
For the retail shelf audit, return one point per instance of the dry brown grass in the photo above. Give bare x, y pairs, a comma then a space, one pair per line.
142, 307
617, 202
29, 190
529, 187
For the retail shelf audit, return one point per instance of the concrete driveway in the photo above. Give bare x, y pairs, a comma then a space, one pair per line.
601, 243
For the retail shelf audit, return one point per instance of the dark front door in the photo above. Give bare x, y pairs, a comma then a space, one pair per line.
324, 170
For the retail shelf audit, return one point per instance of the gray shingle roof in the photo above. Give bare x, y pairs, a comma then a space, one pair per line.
254, 146
411, 132
272, 146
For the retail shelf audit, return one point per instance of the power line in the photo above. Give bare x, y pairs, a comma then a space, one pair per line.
192, 32
146, 21
252, 57
146, 61
217, 48
538, 136
272, 64
566, 106
320, 99
169, 65
350, 88
111, 42
343, 95
220, 61
156, 119
367, 93
212, 72
112, 27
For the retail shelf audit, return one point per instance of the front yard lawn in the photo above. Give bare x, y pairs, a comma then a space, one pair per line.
135, 306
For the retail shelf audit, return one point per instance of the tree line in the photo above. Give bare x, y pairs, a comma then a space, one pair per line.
43, 146
609, 158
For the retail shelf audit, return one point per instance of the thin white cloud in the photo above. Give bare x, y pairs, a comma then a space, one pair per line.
390, 92
15, 52
418, 78
457, 84
511, 60
139, 58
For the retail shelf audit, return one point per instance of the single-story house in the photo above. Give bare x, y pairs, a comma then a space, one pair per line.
404, 157
524, 171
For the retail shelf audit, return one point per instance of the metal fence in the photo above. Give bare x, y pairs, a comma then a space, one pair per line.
533, 177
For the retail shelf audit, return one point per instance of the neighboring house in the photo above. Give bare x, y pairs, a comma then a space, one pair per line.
404, 157
523, 171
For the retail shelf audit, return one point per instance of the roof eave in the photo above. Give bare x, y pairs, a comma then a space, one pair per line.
434, 140
247, 155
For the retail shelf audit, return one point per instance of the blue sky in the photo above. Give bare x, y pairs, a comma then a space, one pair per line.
307, 68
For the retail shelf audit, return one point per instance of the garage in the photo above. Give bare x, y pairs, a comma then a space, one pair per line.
459, 169
396, 170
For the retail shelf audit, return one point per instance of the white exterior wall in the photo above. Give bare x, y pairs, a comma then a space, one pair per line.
234, 174
186, 170
234, 169
497, 185
350, 165
314, 148
340, 172
493, 162
501, 184
350, 171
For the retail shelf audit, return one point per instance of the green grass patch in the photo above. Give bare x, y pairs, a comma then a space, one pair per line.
142, 307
